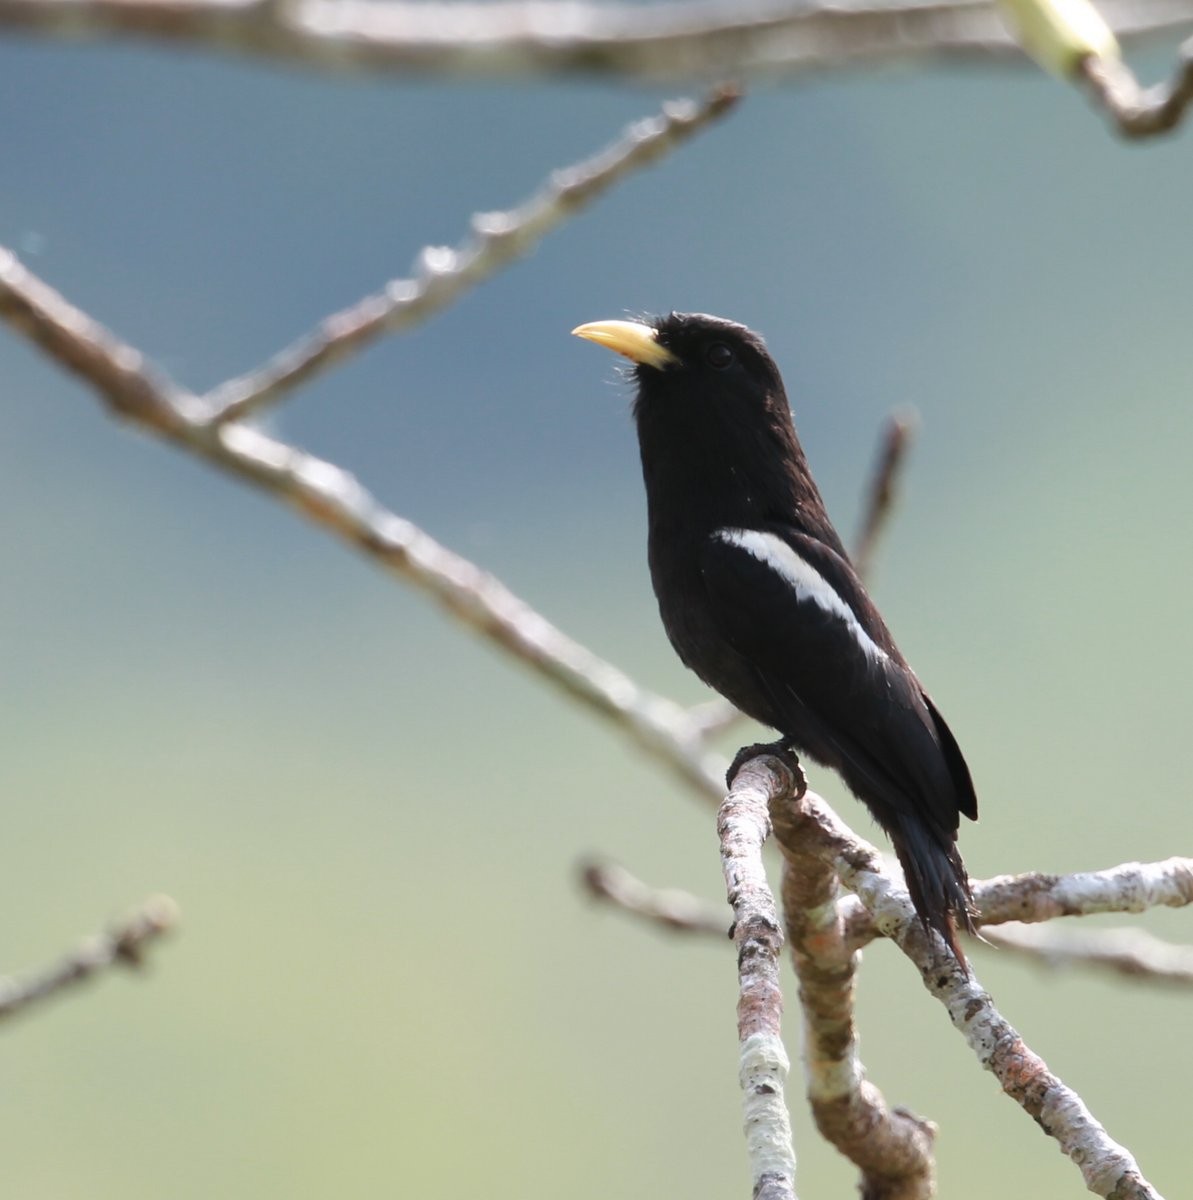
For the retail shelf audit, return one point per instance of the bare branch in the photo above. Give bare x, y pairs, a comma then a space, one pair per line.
672, 908
743, 825
1130, 952
124, 944
336, 502
1140, 112
519, 39
444, 274
892, 1148
1108, 1169
897, 436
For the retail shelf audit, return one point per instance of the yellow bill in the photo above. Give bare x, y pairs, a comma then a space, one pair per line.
635, 340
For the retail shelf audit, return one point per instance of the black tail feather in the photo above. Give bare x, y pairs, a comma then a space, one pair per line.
936, 879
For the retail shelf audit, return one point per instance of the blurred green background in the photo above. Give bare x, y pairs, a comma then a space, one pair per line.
387, 981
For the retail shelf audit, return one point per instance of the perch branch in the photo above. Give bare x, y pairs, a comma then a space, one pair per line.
743, 825
893, 1149
443, 274
1108, 1169
519, 39
125, 944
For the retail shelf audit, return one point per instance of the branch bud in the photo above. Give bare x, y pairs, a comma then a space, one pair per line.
1060, 34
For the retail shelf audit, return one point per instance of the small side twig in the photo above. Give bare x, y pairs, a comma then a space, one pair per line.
882, 490
1134, 953
125, 944
1139, 112
743, 825
673, 909
714, 717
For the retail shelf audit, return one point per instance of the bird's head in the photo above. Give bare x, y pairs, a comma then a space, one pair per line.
707, 366
713, 422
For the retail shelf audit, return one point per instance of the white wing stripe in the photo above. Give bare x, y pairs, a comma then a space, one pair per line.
803, 578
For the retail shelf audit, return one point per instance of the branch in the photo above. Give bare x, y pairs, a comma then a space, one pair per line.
1131, 952
892, 1148
444, 274
520, 39
671, 908
1108, 1169
1033, 897
335, 501
1140, 112
1130, 887
125, 944
1072, 39
743, 825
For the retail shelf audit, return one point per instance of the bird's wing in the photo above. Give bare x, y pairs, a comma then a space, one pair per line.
798, 613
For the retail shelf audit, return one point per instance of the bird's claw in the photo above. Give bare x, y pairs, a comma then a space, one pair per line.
780, 750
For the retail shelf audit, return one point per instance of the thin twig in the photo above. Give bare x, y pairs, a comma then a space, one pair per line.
892, 1148
125, 944
673, 909
715, 717
743, 825
1133, 953
443, 274
1108, 1169
520, 39
882, 491
1140, 112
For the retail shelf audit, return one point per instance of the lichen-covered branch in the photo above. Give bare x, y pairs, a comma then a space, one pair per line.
125, 944
1034, 896
443, 273
743, 825
535, 37
1129, 887
892, 1148
1108, 1169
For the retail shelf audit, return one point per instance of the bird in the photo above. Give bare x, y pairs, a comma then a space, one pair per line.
759, 598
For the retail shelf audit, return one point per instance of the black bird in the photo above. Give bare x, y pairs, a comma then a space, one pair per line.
759, 598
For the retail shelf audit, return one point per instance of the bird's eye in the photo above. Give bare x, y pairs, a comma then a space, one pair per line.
718, 356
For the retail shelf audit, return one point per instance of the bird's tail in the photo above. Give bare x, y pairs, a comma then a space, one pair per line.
936, 879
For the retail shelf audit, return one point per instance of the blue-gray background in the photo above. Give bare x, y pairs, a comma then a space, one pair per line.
387, 981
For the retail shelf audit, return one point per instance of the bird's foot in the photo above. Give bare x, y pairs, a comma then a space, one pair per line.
781, 750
